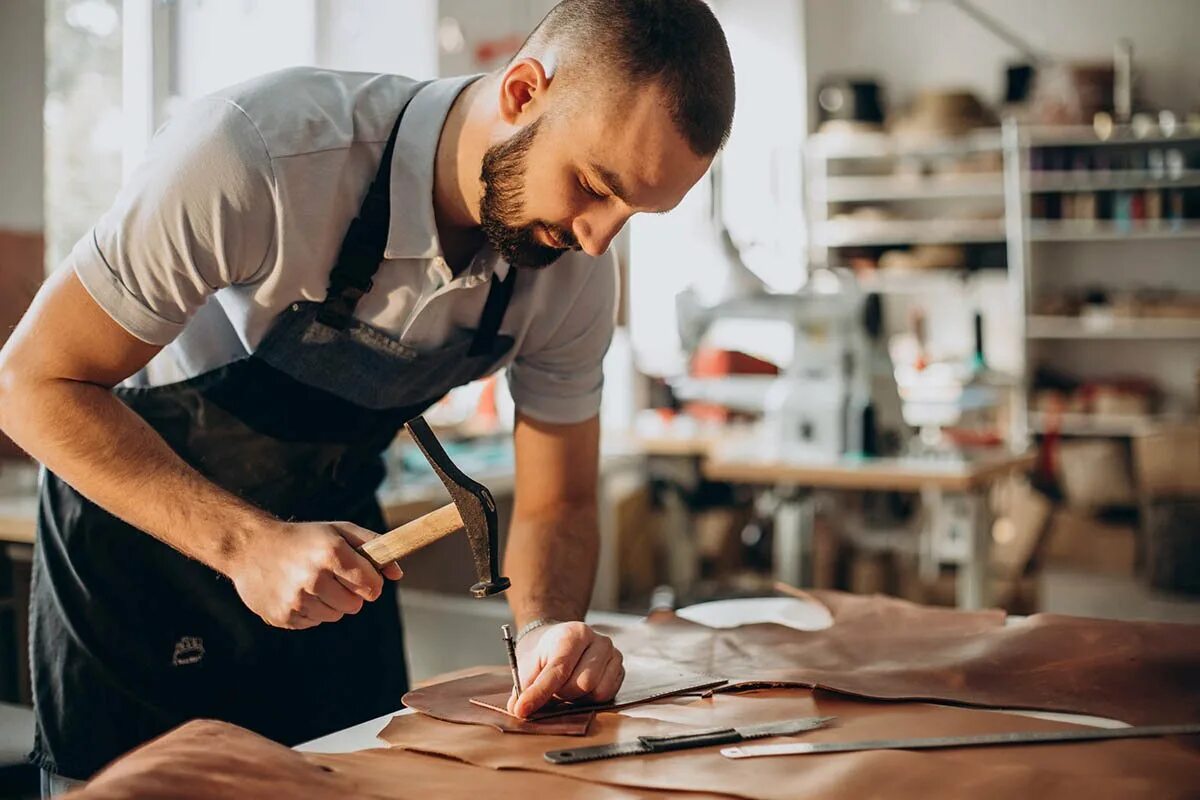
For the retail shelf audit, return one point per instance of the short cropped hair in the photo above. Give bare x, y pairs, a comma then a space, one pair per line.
677, 43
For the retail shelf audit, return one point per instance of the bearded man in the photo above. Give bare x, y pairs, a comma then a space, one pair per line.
303, 263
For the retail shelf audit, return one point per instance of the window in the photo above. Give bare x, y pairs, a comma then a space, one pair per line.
83, 118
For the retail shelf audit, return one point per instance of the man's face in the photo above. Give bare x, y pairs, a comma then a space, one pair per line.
570, 179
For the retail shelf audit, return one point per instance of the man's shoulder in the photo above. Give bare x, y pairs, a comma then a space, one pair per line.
302, 110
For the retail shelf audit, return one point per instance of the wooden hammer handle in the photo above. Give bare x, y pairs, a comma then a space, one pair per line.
396, 544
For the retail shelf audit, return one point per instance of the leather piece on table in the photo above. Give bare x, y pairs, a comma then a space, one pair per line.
450, 701
1142, 768
645, 680
209, 760
1137, 672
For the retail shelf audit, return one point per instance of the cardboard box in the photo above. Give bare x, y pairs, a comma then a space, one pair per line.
1095, 473
1081, 541
1167, 462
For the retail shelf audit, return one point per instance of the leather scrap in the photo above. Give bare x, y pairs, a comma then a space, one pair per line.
1145, 768
450, 701
209, 760
645, 680
1143, 673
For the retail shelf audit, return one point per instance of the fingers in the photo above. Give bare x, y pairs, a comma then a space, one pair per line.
559, 665
333, 593
590, 670
614, 676
296, 621
357, 537
315, 609
352, 568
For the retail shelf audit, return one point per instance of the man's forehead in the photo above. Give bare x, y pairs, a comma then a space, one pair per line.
636, 149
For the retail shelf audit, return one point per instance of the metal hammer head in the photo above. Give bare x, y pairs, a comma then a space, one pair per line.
475, 505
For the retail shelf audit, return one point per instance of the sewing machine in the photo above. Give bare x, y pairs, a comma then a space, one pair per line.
835, 397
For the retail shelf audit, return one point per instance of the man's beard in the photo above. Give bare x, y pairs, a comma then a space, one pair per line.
504, 201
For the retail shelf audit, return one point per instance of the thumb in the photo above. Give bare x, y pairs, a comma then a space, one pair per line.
357, 536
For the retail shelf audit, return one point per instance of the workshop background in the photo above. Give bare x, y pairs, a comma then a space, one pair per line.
931, 328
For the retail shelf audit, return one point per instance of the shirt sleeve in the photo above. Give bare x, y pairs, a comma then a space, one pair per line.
196, 216
561, 382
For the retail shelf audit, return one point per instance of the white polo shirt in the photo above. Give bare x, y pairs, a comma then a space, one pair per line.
241, 205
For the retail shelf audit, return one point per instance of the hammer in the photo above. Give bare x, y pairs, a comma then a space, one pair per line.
472, 509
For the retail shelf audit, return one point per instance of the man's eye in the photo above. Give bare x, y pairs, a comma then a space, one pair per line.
589, 190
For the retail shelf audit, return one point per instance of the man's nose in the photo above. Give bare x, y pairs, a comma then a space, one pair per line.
595, 231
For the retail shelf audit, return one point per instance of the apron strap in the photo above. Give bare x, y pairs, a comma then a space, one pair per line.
494, 307
365, 240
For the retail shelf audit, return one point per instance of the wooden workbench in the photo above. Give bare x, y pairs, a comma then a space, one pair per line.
869, 474
948, 486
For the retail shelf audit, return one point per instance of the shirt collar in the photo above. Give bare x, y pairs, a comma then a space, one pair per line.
412, 228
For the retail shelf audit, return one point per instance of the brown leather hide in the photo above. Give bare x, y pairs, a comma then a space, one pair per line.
645, 680
451, 701
1111, 769
208, 760
1137, 672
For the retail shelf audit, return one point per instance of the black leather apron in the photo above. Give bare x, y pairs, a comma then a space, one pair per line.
129, 638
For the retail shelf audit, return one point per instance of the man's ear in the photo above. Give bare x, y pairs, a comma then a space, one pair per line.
522, 89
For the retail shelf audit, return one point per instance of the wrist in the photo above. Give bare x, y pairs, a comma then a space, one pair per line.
235, 544
536, 624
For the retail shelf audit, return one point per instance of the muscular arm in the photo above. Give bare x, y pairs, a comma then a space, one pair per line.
551, 557
553, 542
56, 373
55, 376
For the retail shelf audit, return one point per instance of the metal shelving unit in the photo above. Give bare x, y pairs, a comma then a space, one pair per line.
1104, 231
904, 187
923, 198
1070, 181
870, 233
851, 171
1102, 425
1028, 259
1047, 327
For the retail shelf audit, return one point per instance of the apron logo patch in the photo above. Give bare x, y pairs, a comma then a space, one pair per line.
188, 650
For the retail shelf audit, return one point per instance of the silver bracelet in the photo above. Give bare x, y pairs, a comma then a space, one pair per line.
533, 625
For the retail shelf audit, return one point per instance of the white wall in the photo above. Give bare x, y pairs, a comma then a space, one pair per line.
220, 42
22, 92
762, 187
378, 36
940, 46
762, 190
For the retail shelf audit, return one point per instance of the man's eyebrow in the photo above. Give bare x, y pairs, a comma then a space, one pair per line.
612, 182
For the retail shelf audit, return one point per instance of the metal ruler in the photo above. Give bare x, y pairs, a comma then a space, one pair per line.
686, 741
980, 740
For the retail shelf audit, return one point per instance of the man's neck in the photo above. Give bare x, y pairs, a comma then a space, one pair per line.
456, 186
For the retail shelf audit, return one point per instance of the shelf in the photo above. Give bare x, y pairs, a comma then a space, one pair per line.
898, 282
855, 189
834, 147
1118, 425
1106, 230
1044, 327
1085, 136
1068, 181
852, 233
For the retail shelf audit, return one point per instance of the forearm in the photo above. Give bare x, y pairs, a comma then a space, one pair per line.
551, 560
88, 437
